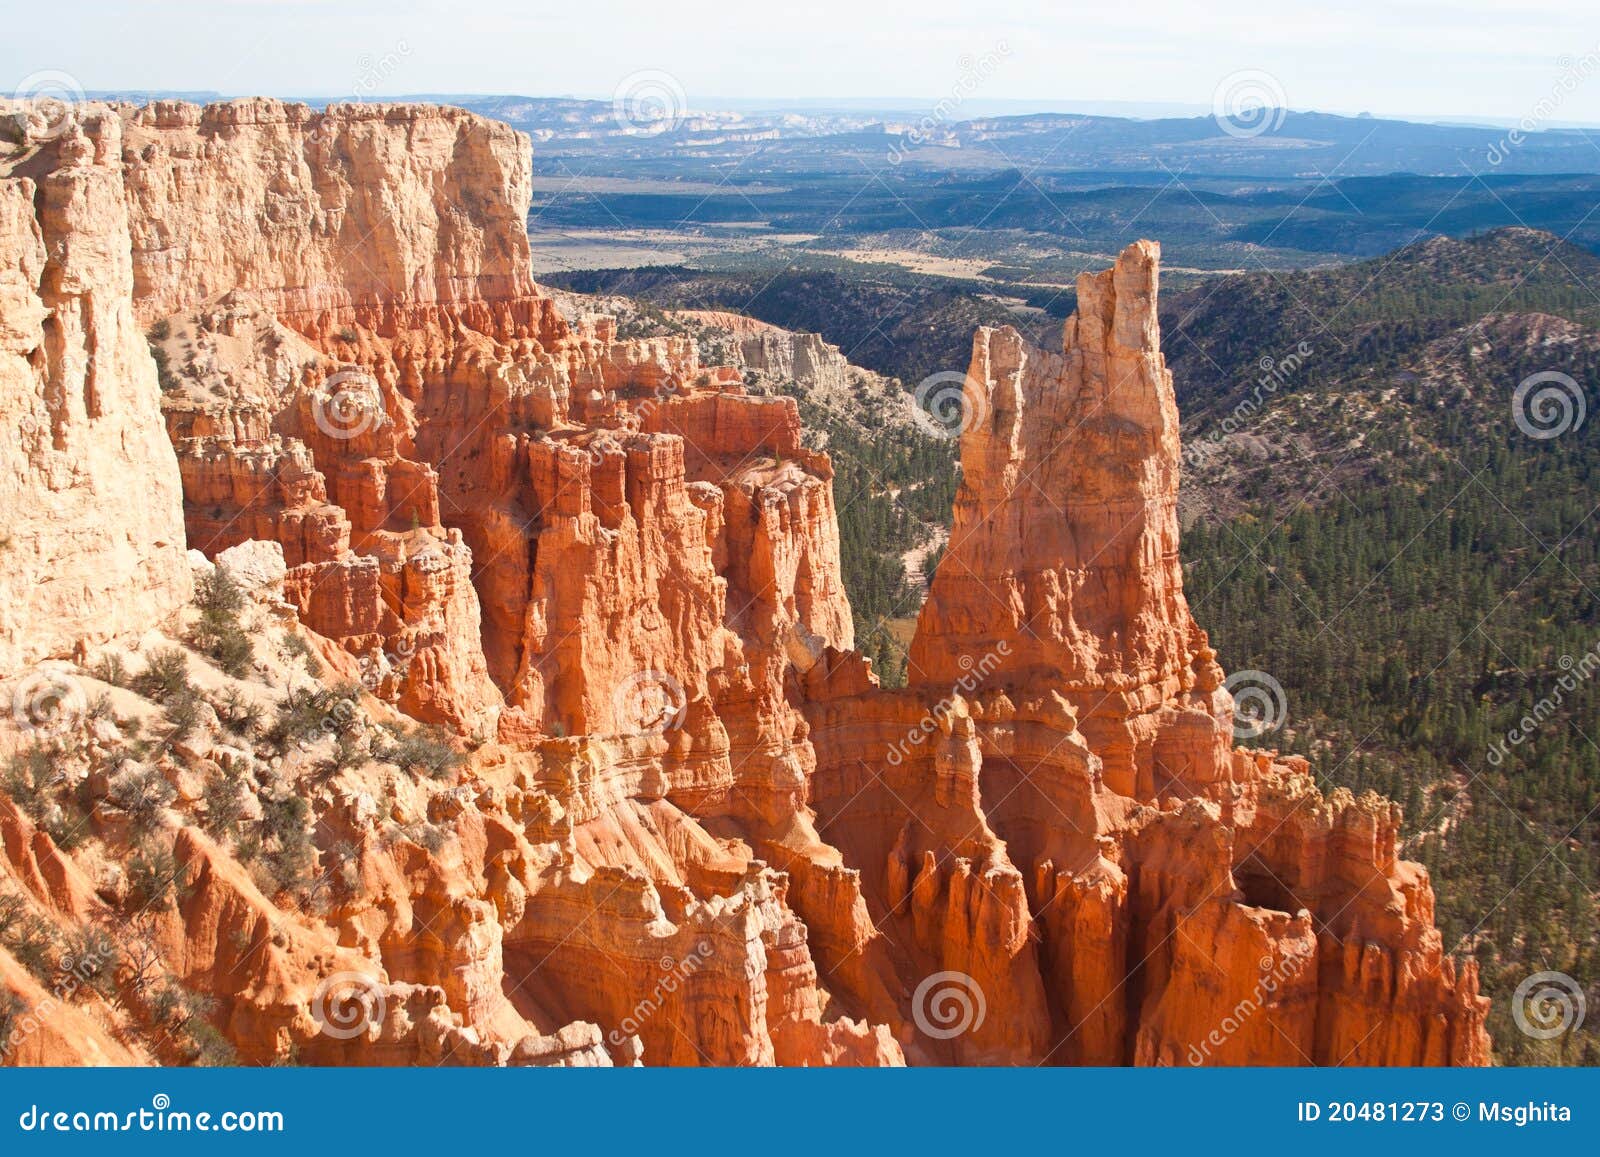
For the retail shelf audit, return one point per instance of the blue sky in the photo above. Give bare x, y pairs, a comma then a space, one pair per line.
1398, 57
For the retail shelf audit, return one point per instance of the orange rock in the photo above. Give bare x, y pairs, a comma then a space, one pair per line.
691, 828
79, 434
1191, 904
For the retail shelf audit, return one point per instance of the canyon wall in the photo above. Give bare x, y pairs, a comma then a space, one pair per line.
83, 558
679, 822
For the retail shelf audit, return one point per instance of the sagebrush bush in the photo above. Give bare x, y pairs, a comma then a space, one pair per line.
27, 778
65, 823
12, 910
420, 751
288, 853
143, 794
305, 714
156, 881
240, 714
183, 714
348, 752
12, 1009
224, 800
36, 944
296, 647
111, 669
219, 634
91, 956
430, 837
165, 675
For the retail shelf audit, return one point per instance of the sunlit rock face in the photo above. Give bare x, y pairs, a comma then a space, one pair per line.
687, 825
1056, 810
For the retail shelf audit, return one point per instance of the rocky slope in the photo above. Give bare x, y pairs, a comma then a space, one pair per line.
661, 809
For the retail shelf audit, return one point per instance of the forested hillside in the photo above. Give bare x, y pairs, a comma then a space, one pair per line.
1419, 568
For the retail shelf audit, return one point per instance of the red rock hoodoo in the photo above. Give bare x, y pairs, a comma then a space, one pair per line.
690, 827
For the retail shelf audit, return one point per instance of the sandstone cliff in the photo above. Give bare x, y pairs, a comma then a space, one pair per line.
665, 814
84, 557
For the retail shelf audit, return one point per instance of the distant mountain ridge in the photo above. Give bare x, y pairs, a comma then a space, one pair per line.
1296, 144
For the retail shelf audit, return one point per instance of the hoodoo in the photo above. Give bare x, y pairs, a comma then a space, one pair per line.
678, 821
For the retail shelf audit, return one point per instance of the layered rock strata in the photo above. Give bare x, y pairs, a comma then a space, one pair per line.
1063, 770
82, 561
688, 826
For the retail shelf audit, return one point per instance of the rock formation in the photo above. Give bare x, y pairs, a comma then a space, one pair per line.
666, 814
82, 559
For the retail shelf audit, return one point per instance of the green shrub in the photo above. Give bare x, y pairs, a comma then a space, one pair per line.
430, 837
218, 633
165, 675
65, 823
183, 1013
347, 752
183, 714
304, 714
240, 714
224, 799
27, 779
164, 375
219, 592
143, 794
421, 751
35, 943
156, 881
206, 1047
91, 956
296, 647
227, 645
13, 909
290, 855
99, 708
11, 1011
111, 669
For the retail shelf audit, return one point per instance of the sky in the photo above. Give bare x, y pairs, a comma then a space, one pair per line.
1414, 58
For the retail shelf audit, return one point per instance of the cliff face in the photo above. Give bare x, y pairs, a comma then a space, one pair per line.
680, 820
83, 560
361, 211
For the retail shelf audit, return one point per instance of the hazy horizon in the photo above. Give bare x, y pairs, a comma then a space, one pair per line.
1344, 58
970, 110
